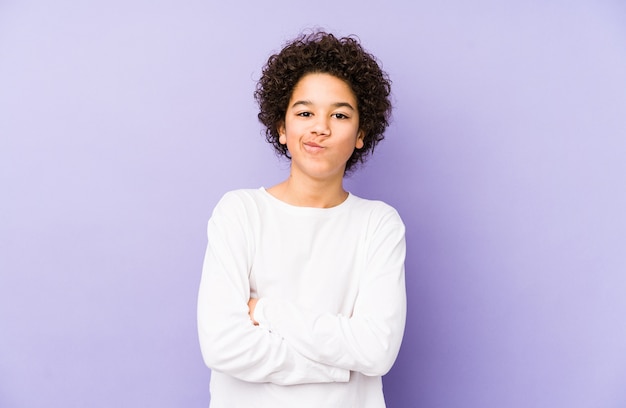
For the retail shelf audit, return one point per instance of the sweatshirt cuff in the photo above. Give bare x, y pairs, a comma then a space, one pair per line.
340, 374
260, 313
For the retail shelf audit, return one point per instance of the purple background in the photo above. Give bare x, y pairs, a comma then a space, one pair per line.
123, 122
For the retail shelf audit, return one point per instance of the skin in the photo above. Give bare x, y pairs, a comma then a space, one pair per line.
321, 130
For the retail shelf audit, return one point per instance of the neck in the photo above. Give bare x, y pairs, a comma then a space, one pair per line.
310, 192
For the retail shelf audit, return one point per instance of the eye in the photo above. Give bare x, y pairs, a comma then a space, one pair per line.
340, 116
304, 114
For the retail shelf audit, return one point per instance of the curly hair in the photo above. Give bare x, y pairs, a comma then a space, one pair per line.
344, 58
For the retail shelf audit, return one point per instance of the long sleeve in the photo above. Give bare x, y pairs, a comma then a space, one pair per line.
368, 341
229, 342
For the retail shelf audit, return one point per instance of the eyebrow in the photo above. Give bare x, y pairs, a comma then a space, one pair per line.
334, 105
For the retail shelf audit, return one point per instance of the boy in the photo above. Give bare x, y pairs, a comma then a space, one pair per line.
302, 300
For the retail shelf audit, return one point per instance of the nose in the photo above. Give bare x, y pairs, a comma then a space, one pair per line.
321, 126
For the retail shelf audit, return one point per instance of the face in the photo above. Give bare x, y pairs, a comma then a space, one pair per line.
321, 127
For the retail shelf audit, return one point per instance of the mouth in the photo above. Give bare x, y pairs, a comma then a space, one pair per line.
312, 147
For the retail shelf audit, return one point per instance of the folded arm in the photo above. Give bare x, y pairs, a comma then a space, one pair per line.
368, 341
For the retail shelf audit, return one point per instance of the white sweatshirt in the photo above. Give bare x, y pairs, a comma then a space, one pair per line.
331, 309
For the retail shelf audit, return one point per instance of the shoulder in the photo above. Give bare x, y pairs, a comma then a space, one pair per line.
238, 202
376, 210
242, 196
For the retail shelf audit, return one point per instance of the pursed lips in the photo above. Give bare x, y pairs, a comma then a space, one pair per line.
312, 147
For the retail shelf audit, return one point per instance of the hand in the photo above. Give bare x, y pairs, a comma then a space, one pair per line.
251, 305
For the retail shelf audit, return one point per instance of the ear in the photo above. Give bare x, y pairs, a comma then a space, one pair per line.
282, 134
359, 139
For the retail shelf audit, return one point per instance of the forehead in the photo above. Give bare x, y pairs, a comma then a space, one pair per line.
323, 87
